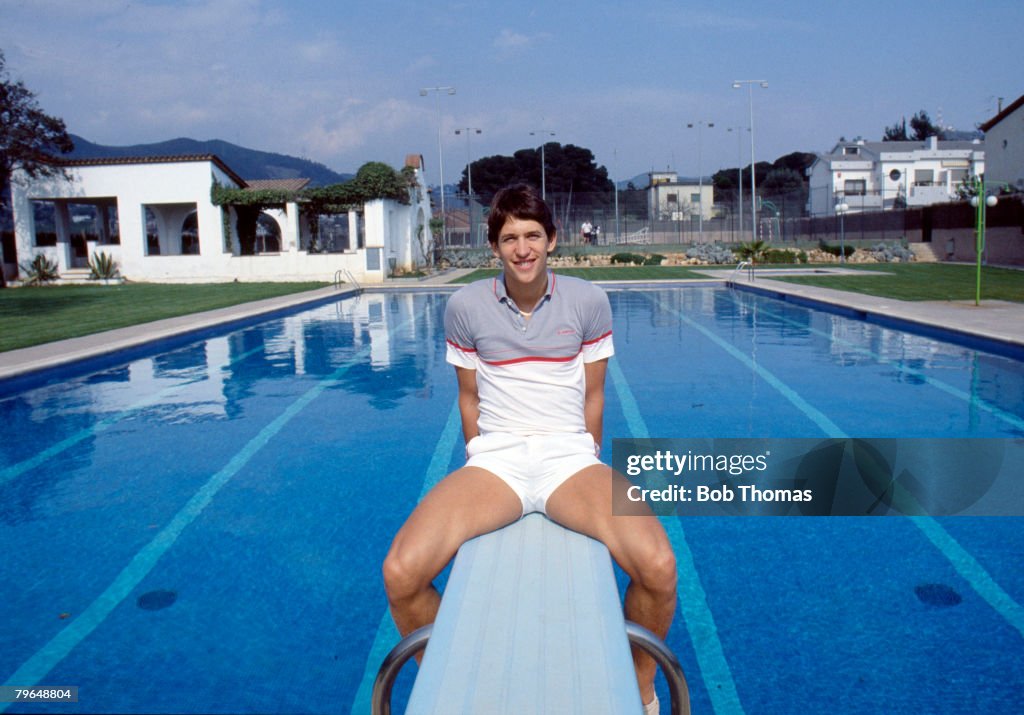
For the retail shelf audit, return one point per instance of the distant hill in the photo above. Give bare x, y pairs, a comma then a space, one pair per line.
247, 163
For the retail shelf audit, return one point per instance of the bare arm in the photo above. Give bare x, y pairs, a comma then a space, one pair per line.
469, 402
593, 399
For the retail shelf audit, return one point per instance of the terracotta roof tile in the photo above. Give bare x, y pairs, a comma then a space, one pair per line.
276, 184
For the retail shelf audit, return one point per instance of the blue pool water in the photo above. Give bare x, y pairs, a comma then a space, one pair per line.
201, 530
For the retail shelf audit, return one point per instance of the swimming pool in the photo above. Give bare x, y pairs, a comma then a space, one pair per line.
201, 530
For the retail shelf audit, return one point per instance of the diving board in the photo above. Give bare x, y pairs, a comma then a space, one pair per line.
530, 622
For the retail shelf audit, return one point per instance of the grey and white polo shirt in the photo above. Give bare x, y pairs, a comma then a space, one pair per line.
529, 373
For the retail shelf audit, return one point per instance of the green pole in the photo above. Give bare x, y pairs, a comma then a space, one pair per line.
979, 242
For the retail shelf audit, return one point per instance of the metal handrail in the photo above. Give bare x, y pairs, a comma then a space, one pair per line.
346, 274
380, 699
679, 691
749, 266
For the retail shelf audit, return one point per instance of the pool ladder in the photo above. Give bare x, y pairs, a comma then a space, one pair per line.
749, 265
344, 275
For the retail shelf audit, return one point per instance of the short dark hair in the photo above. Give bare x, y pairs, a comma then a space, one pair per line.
519, 201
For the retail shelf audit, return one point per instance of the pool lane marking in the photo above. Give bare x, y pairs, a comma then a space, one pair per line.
812, 413
962, 561
940, 385
387, 634
693, 600
53, 652
18, 468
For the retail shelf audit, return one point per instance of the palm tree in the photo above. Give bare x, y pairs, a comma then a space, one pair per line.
754, 251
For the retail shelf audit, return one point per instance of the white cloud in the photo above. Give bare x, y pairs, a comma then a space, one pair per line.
509, 41
353, 126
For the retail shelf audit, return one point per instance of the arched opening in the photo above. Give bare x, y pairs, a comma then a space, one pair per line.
190, 235
268, 234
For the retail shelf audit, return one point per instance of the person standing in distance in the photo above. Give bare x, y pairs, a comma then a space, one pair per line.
530, 351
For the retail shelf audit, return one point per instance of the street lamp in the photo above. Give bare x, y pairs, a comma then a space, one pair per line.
440, 155
753, 182
841, 208
978, 187
700, 179
739, 178
542, 132
469, 131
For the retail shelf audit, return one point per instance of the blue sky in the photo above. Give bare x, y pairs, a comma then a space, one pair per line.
338, 82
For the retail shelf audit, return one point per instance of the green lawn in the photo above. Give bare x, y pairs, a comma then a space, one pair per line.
30, 316
617, 273
924, 281
905, 281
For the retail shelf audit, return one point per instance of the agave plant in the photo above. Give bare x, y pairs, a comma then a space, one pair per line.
102, 267
41, 270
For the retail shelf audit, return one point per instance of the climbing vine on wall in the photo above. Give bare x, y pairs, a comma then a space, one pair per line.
374, 180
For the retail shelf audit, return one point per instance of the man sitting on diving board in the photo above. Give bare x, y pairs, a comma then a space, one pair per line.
530, 351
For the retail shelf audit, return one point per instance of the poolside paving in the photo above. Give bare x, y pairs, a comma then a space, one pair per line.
993, 319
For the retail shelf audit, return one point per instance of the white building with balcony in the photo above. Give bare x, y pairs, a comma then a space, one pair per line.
669, 199
877, 176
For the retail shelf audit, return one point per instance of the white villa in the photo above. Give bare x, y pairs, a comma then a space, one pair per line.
670, 199
155, 217
1004, 142
875, 176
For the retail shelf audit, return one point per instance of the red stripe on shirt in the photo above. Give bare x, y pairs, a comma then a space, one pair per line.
597, 339
459, 347
529, 358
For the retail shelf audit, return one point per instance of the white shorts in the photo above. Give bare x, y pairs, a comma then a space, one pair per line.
534, 466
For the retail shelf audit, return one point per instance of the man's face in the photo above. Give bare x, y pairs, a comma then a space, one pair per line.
523, 247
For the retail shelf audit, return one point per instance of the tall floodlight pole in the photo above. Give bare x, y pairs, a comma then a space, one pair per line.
469, 131
700, 179
753, 181
739, 178
615, 155
440, 154
542, 133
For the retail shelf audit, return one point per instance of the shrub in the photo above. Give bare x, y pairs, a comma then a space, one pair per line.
41, 270
654, 259
847, 251
628, 259
779, 255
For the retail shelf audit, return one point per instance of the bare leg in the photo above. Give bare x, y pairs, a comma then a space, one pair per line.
637, 543
468, 502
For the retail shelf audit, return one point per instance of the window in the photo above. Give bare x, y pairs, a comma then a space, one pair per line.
895, 175
45, 223
694, 198
851, 150
855, 187
924, 177
672, 198
190, 235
